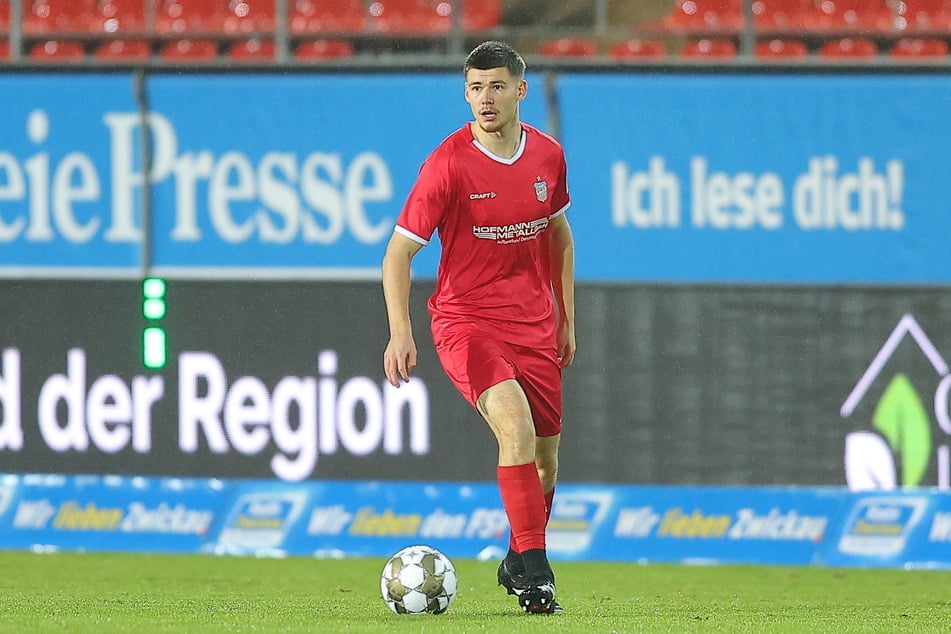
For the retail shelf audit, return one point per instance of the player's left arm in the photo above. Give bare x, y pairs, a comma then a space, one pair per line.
562, 261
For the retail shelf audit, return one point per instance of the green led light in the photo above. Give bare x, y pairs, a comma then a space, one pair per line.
153, 309
153, 288
154, 350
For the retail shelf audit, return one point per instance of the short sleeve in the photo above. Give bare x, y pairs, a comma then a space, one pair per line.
427, 201
561, 199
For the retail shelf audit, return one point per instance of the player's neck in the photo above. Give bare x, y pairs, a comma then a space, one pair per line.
503, 143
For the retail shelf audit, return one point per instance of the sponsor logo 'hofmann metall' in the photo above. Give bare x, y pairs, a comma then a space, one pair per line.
518, 232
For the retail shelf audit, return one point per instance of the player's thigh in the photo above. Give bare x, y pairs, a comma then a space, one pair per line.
506, 409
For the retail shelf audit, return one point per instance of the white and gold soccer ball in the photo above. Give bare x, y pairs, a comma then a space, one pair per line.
419, 580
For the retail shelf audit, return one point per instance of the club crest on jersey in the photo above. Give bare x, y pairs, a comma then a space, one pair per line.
541, 191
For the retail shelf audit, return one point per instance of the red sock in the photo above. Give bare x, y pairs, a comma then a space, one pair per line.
524, 502
549, 500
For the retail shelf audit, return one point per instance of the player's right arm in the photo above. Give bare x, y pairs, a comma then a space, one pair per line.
399, 357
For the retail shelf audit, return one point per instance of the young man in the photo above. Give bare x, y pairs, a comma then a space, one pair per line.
503, 310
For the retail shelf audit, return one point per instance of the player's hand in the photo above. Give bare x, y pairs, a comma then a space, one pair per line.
566, 344
399, 358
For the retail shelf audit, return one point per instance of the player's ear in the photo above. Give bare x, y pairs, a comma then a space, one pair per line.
522, 89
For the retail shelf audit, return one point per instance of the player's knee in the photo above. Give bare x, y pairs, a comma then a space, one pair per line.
547, 471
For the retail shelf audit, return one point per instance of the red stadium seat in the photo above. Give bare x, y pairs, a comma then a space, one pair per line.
569, 47
918, 47
850, 15
57, 52
780, 15
4, 16
118, 50
408, 16
245, 16
189, 51
705, 16
119, 16
638, 49
253, 51
709, 48
4, 49
780, 48
189, 16
479, 15
321, 16
322, 50
57, 16
923, 16
848, 47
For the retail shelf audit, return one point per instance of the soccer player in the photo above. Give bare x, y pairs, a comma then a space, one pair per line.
502, 315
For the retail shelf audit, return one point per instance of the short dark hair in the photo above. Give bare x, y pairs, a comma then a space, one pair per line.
495, 54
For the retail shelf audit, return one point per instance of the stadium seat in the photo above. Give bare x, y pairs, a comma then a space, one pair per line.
4, 49
569, 47
189, 51
321, 16
247, 16
322, 50
4, 16
119, 16
118, 50
56, 51
480, 15
709, 48
923, 16
57, 16
850, 15
781, 16
254, 50
705, 16
918, 47
408, 16
188, 16
848, 47
780, 48
638, 49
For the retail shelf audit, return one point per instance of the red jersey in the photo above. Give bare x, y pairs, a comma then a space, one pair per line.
492, 215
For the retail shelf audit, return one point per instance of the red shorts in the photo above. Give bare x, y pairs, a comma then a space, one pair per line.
475, 362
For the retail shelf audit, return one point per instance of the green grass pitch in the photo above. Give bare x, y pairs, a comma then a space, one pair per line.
103, 593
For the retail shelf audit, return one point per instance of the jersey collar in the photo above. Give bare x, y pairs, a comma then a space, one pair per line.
496, 157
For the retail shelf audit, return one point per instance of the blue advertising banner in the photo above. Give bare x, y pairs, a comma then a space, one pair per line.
114, 513
68, 200
707, 525
680, 178
251, 175
762, 179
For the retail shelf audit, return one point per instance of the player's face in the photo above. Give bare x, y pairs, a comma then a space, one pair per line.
493, 95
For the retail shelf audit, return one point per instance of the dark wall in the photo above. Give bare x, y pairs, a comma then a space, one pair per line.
672, 384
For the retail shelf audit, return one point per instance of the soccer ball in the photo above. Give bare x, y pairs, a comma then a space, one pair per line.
418, 580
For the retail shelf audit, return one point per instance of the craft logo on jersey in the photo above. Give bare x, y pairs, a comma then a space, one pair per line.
518, 232
541, 191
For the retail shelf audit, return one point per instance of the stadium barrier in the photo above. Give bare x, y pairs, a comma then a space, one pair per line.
697, 525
